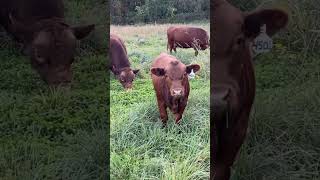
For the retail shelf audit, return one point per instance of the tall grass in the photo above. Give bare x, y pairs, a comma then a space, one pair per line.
140, 147
283, 140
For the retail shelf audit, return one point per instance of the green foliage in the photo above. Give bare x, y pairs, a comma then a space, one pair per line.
145, 11
90, 12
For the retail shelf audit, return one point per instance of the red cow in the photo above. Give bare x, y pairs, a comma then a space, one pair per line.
120, 64
187, 37
233, 78
170, 81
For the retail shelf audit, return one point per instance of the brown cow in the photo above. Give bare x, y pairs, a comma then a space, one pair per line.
120, 64
233, 78
170, 81
187, 37
48, 40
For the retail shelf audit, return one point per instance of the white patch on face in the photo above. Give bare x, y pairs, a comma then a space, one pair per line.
122, 74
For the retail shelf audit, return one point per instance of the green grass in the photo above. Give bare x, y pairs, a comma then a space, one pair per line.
140, 147
283, 140
54, 134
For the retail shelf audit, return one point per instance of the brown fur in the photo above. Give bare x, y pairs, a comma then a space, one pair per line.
169, 76
120, 64
47, 39
187, 37
233, 79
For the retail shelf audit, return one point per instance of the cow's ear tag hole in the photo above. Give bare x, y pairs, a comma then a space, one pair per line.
191, 75
262, 43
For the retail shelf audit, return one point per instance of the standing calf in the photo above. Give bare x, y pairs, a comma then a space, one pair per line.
170, 81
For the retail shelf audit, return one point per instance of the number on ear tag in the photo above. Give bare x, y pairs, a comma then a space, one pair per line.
191, 75
262, 43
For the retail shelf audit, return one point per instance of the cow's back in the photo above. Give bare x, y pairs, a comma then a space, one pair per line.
118, 52
187, 35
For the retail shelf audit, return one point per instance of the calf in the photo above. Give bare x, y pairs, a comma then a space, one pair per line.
120, 65
47, 39
170, 81
187, 37
233, 78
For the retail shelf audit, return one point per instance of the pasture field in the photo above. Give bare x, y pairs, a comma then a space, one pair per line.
50, 133
140, 147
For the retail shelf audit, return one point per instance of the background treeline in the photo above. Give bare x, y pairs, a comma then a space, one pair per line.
165, 11
303, 31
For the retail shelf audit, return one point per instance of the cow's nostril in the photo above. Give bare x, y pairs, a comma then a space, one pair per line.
177, 92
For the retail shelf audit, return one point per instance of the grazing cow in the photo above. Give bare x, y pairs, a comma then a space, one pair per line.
47, 39
233, 78
187, 37
120, 65
170, 81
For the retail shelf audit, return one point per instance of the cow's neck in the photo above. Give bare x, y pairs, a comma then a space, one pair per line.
247, 82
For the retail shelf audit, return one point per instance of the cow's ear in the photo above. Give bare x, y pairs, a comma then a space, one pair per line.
195, 68
82, 31
274, 19
136, 71
158, 71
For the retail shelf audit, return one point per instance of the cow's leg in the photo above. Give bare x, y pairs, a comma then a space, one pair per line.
178, 117
174, 46
196, 52
163, 113
182, 107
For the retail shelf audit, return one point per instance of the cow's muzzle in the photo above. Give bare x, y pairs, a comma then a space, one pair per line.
177, 92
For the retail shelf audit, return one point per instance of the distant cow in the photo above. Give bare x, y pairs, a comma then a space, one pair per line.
170, 81
187, 37
47, 39
120, 64
233, 79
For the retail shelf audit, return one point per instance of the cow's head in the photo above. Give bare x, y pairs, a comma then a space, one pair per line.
126, 76
233, 33
51, 45
176, 76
